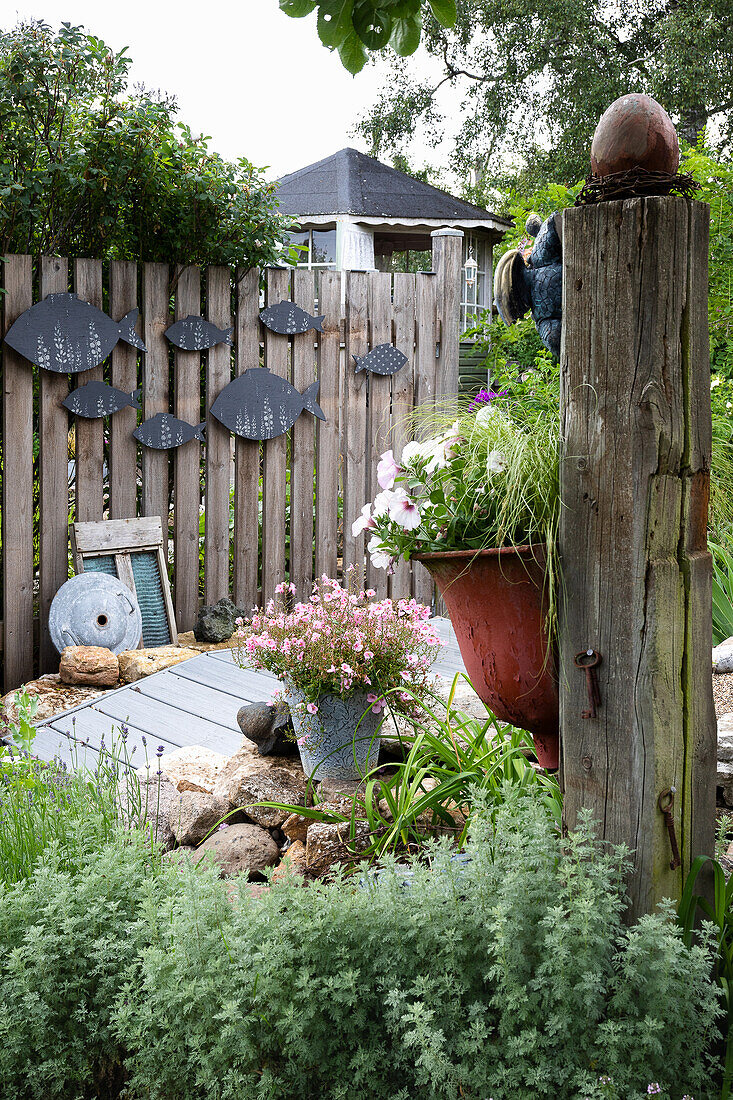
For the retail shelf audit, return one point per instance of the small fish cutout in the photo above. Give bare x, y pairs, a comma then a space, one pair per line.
261, 405
98, 399
289, 319
197, 334
64, 334
383, 359
164, 430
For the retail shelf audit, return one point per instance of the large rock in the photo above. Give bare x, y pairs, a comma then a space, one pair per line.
293, 862
268, 726
150, 807
52, 697
245, 759
273, 784
194, 815
240, 849
92, 665
187, 640
330, 845
295, 827
723, 656
193, 768
137, 663
217, 622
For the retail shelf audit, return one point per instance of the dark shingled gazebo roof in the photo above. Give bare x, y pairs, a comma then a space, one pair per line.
350, 182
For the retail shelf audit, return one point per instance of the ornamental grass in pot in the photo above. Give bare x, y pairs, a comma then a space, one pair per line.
341, 657
476, 500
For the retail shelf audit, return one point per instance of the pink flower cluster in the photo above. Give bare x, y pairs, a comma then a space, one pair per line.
340, 641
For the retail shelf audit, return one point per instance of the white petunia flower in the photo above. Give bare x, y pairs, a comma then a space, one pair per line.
405, 512
495, 462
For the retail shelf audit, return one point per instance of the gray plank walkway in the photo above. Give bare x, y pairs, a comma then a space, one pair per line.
194, 703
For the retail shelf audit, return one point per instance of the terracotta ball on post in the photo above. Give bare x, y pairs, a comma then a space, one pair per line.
635, 132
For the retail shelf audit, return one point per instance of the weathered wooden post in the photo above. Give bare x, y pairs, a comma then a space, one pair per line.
635, 476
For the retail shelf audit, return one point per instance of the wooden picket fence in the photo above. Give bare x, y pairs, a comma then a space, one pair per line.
287, 503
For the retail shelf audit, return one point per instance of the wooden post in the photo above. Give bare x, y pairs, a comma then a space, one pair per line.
635, 474
447, 255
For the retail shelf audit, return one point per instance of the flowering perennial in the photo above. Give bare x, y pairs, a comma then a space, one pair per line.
340, 642
489, 479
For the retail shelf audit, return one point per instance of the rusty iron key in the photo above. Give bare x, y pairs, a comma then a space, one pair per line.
666, 805
588, 661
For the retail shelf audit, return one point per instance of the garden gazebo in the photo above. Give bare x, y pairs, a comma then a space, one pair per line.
356, 213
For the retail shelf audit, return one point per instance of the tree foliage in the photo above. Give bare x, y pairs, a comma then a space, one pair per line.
535, 76
354, 27
90, 167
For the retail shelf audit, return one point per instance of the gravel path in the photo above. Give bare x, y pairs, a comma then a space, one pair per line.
723, 692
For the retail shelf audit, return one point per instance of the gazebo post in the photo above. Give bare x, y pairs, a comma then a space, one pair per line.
635, 480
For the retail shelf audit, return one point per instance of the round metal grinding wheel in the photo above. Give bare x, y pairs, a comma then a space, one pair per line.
95, 609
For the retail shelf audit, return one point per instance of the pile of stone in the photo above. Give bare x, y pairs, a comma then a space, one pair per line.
205, 806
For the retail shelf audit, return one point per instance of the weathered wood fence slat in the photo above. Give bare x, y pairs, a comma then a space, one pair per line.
283, 508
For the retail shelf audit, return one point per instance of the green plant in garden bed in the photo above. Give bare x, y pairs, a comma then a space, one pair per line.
43, 805
512, 972
694, 906
452, 763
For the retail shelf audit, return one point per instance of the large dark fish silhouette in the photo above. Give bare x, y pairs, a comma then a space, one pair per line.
289, 319
64, 334
165, 430
98, 399
197, 334
261, 405
383, 359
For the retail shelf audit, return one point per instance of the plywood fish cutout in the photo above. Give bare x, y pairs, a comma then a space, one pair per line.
164, 430
64, 334
97, 399
289, 319
197, 334
261, 405
383, 359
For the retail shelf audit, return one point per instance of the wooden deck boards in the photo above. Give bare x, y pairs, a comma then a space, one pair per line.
193, 703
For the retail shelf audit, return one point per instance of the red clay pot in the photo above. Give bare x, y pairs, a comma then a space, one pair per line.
497, 605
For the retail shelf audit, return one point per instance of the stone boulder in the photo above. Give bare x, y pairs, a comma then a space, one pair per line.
92, 665
151, 808
295, 827
268, 726
194, 814
330, 845
187, 640
137, 663
245, 759
193, 768
240, 849
293, 862
217, 622
52, 697
723, 656
273, 784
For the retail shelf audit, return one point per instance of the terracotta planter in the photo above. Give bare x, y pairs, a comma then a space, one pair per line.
497, 608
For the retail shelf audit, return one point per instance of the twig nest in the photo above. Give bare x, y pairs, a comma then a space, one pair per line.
635, 132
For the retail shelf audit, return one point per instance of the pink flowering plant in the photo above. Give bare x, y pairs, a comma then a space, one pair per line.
340, 642
488, 478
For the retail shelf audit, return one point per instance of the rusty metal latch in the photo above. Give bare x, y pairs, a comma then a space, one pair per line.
666, 806
588, 660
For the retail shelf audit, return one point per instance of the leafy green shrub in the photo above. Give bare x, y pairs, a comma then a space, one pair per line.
722, 592
69, 939
509, 976
92, 167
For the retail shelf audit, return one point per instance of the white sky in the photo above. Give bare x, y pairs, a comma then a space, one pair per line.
257, 81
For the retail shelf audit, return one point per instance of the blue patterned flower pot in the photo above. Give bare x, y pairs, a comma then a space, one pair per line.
330, 744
